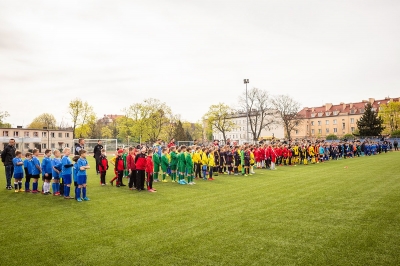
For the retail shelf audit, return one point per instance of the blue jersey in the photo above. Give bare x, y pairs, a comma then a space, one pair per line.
82, 162
35, 164
56, 163
65, 162
321, 150
47, 167
28, 166
17, 168
76, 170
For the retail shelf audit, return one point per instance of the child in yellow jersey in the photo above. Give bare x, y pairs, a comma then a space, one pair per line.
211, 164
204, 162
112, 161
197, 163
252, 161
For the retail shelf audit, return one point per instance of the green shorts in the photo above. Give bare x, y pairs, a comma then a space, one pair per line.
173, 167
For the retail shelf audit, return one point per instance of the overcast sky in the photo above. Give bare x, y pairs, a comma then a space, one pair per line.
191, 54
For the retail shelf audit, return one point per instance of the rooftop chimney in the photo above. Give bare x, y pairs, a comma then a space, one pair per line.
371, 100
328, 106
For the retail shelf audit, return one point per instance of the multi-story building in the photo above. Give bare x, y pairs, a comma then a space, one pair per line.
238, 133
340, 119
41, 139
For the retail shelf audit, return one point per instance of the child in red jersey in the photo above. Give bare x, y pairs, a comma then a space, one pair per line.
140, 162
120, 167
149, 172
103, 167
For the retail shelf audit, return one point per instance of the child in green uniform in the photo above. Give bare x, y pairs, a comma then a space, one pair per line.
156, 162
189, 166
164, 164
182, 164
124, 158
173, 163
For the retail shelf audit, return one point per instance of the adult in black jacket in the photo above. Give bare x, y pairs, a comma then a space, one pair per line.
7, 155
97, 153
79, 146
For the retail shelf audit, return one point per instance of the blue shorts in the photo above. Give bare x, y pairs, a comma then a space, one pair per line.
56, 177
67, 179
82, 179
19, 175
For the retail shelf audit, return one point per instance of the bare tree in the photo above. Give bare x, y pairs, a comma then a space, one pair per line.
288, 110
219, 118
261, 113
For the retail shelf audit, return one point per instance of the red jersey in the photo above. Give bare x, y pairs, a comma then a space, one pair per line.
149, 164
119, 164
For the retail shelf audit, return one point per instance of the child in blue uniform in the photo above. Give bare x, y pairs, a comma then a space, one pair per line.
67, 172
56, 172
75, 171
36, 170
18, 171
47, 170
28, 170
82, 177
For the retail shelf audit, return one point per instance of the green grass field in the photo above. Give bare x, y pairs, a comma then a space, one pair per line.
324, 214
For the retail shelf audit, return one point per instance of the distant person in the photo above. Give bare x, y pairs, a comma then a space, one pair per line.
7, 155
103, 167
36, 170
82, 177
96, 154
396, 145
79, 146
18, 171
67, 172
171, 143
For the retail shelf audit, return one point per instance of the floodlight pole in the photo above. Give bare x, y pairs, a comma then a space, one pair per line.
246, 81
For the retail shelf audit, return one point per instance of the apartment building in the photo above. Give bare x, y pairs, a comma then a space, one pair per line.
337, 119
27, 139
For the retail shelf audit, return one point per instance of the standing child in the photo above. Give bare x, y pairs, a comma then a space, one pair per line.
36, 170
174, 163
189, 166
164, 164
56, 172
18, 171
211, 164
67, 172
47, 171
140, 162
103, 167
246, 155
197, 163
28, 170
82, 176
182, 165
75, 170
132, 168
157, 163
119, 167
204, 163
149, 171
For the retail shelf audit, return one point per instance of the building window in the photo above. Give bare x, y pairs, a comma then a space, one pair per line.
343, 125
44, 146
312, 123
336, 113
16, 133
328, 113
53, 145
5, 133
352, 129
351, 120
60, 135
26, 134
312, 131
67, 135
319, 131
297, 132
26, 145
327, 122
66, 145
319, 114
313, 115
36, 134
327, 130
17, 146
44, 135
319, 123
53, 135
334, 121
362, 110
352, 111
335, 130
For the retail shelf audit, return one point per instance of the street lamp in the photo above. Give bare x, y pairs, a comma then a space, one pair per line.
246, 81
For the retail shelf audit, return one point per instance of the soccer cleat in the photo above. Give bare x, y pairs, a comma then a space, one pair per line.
35, 191
123, 185
165, 181
28, 190
16, 191
68, 197
193, 183
112, 183
21, 190
79, 200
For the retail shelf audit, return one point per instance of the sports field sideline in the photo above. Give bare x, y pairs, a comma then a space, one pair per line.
344, 212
